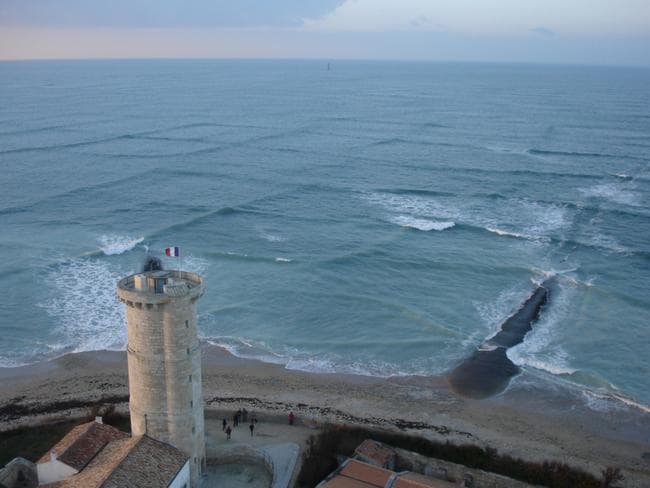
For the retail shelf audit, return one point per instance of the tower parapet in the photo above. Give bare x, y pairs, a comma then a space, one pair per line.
164, 360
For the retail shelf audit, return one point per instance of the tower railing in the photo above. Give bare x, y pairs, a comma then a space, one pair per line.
192, 279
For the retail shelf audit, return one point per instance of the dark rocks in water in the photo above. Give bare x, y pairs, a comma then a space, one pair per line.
516, 327
152, 263
483, 374
488, 370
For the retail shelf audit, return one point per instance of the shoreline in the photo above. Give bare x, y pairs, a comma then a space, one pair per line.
530, 420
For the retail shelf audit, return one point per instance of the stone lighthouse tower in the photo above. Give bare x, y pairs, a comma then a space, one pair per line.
165, 360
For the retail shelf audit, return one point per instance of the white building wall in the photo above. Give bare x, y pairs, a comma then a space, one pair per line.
53, 470
182, 479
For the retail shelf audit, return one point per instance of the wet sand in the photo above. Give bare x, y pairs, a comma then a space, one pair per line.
530, 421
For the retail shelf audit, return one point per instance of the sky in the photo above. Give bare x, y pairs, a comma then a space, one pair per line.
548, 31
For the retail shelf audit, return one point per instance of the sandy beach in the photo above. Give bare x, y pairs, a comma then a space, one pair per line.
536, 423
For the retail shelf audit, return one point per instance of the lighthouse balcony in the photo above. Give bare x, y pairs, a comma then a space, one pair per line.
159, 287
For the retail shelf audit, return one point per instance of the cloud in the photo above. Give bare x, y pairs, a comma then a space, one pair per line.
492, 17
543, 31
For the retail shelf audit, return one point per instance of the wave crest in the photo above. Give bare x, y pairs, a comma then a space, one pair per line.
422, 224
116, 244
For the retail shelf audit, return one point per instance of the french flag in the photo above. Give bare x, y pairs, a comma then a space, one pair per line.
173, 252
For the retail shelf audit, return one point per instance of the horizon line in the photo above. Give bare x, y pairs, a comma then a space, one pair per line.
331, 59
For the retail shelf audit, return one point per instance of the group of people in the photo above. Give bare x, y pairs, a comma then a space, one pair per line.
240, 416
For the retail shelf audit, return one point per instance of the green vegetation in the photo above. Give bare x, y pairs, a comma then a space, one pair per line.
32, 442
320, 459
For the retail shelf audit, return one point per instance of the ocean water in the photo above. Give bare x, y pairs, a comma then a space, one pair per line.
380, 218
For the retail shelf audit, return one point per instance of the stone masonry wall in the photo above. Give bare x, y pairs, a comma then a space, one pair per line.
164, 364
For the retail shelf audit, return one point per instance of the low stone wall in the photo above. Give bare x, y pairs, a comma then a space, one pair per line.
238, 454
444, 470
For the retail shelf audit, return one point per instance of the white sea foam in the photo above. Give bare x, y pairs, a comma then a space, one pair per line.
189, 263
542, 347
312, 365
518, 218
607, 243
620, 192
421, 224
541, 275
518, 235
116, 244
555, 366
541, 219
632, 403
294, 359
272, 237
507, 233
283, 260
587, 283
605, 401
38, 351
334, 364
85, 309
494, 312
248, 349
413, 205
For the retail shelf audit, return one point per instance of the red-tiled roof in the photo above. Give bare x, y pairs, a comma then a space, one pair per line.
83, 443
367, 473
376, 453
344, 482
356, 474
414, 480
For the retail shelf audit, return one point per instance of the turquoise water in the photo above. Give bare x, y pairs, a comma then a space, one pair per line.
378, 218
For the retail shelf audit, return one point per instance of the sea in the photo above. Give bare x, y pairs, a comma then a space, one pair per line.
375, 218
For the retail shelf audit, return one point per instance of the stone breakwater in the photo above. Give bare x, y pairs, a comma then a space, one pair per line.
488, 370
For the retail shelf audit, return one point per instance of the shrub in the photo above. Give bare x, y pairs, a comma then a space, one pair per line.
320, 458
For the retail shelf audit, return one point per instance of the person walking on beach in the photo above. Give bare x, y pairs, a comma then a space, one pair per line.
228, 432
235, 419
244, 415
291, 417
223, 425
251, 427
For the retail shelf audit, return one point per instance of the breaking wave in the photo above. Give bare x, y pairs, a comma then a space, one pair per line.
115, 244
421, 224
86, 312
501, 232
620, 193
268, 236
542, 348
293, 359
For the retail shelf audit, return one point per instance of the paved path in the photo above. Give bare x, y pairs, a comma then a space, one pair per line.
279, 442
265, 433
